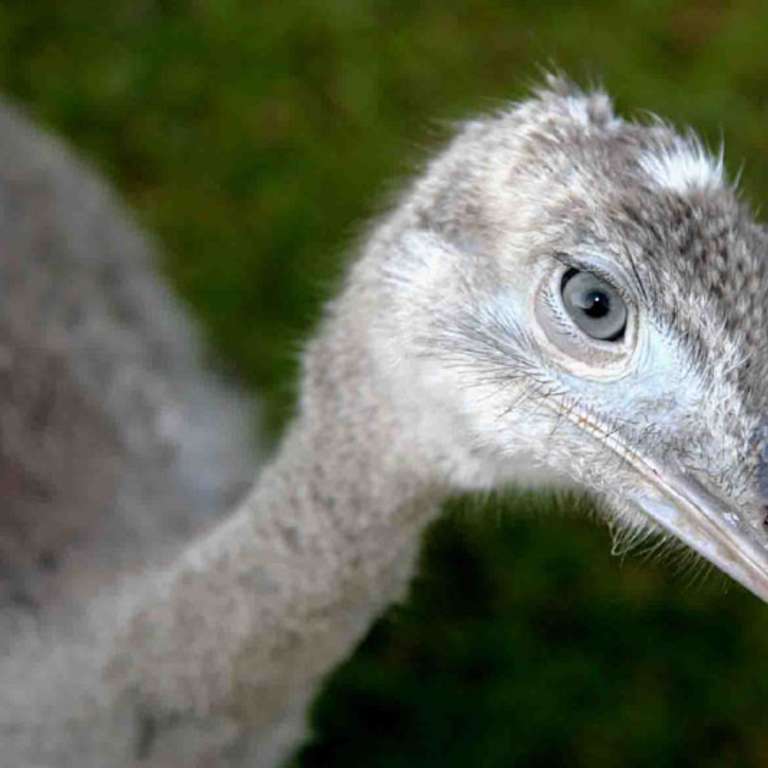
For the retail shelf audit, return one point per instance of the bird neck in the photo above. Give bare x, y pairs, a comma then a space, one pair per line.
251, 618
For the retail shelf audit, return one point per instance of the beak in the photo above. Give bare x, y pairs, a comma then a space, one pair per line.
681, 506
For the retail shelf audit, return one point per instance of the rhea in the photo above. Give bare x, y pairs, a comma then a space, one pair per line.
562, 298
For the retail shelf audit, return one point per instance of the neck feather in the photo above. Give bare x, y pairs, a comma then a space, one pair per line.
250, 620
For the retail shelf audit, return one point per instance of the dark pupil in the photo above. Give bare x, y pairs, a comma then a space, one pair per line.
596, 304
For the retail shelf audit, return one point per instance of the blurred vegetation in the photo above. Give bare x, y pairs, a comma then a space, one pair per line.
255, 139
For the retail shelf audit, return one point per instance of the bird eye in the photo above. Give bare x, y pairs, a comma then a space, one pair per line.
594, 305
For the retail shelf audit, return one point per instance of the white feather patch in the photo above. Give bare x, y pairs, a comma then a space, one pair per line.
685, 167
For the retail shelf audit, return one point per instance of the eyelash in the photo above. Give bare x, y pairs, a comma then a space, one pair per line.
569, 262
565, 324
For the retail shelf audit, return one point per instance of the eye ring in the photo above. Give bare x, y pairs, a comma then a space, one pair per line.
594, 306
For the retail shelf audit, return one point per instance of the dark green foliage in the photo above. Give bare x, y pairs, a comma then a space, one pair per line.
255, 138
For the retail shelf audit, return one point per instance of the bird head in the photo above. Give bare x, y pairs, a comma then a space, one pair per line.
568, 298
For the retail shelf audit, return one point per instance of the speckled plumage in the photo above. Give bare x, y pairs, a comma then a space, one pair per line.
433, 372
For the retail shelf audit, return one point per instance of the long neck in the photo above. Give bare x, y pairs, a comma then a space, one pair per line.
221, 652
252, 618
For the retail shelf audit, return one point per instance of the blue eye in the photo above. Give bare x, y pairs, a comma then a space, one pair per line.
594, 305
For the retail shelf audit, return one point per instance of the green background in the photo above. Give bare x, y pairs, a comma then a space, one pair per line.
255, 139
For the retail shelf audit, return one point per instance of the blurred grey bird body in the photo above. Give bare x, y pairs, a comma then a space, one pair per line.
115, 443
562, 298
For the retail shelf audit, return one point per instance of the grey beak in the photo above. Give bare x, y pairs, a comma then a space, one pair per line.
681, 506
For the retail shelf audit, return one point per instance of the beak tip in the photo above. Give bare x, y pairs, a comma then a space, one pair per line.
707, 526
